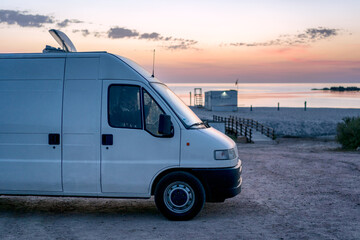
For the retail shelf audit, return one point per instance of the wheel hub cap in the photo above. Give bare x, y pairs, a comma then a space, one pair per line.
179, 197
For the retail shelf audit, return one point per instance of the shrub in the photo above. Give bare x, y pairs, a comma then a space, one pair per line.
348, 132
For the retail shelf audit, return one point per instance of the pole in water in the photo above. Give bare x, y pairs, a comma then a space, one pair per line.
305, 106
278, 106
190, 98
153, 64
251, 108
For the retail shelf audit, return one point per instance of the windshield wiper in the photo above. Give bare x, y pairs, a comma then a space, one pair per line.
197, 124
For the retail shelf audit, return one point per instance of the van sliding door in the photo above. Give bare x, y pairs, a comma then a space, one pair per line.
81, 126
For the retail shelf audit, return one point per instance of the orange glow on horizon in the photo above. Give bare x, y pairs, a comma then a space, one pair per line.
221, 42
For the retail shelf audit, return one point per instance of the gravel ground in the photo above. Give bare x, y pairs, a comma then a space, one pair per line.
296, 189
293, 122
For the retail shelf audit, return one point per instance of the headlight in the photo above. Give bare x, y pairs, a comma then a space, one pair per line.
227, 154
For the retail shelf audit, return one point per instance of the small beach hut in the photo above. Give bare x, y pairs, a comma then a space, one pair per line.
221, 101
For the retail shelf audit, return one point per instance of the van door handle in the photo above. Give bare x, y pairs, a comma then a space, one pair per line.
107, 139
54, 138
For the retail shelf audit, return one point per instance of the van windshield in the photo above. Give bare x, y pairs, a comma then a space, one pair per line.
185, 114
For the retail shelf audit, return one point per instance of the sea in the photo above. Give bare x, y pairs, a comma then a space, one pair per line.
272, 94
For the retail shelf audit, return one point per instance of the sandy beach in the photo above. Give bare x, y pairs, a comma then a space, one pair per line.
294, 122
296, 189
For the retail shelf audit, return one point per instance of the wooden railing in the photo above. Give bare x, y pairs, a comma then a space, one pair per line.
235, 127
250, 123
267, 131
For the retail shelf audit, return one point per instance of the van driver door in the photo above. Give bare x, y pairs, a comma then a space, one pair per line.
132, 150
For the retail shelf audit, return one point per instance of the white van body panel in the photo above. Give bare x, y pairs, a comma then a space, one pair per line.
198, 145
112, 67
81, 126
27, 162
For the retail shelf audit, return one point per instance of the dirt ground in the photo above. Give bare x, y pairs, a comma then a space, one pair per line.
297, 189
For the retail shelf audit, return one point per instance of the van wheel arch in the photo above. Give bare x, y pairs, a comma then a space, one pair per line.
168, 171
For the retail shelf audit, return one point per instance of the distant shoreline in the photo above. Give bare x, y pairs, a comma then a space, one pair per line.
339, 89
290, 121
291, 95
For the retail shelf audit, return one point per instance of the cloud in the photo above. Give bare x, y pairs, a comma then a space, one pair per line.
320, 33
84, 32
170, 43
98, 34
183, 44
151, 36
310, 35
178, 46
66, 22
87, 32
23, 19
118, 32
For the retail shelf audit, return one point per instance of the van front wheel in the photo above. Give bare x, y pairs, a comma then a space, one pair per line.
179, 196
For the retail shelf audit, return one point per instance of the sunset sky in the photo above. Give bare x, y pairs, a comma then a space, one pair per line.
201, 41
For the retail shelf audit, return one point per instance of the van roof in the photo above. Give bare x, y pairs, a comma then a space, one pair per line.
52, 54
125, 61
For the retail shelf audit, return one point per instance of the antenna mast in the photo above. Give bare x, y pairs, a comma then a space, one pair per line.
153, 64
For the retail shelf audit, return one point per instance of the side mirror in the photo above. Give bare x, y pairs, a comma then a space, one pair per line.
165, 125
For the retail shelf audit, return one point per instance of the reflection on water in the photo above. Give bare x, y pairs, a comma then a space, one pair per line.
270, 94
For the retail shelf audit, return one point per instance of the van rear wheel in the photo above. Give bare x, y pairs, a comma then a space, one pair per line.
179, 196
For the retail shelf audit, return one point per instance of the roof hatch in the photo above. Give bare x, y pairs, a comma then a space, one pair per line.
63, 40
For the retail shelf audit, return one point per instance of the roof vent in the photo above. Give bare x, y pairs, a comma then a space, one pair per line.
63, 40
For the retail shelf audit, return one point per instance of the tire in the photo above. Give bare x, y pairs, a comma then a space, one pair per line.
179, 196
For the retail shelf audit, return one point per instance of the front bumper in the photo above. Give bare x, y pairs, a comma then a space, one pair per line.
220, 183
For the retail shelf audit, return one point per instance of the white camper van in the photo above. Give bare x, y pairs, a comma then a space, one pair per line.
96, 124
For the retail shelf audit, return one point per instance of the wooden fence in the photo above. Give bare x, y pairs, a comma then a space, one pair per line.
267, 131
235, 127
246, 123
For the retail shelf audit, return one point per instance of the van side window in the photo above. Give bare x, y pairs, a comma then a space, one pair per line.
152, 113
124, 106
